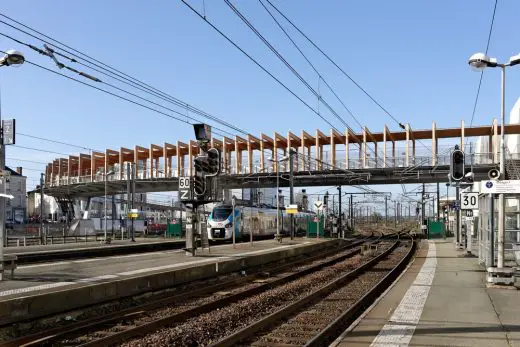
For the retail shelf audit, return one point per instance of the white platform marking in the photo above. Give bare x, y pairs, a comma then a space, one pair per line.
408, 313
31, 289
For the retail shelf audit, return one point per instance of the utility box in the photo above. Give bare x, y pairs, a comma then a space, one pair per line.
174, 228
436, 229
312, 226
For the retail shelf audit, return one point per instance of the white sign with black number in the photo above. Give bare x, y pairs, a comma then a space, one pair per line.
319, 205
184, 188
469, 201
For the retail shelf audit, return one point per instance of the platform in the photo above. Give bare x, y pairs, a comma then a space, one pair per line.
29, 254
54, 287
441, 300
83, 245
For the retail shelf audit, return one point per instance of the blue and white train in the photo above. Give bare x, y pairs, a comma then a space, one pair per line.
261, 221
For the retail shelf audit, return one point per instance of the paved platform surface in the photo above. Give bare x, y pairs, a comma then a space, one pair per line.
441, 300
83, 245
39, 278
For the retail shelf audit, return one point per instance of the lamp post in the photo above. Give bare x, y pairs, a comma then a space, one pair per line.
278, 238
106, 179
479, 62
10, 58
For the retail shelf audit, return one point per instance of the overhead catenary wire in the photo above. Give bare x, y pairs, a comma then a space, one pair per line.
117, 75
40, 150
55, 141
27, 160
126, 92
256, 62
108, 92
189, 107
259, 65
336, 65
320, 75
89, 85
482, 72
286, 63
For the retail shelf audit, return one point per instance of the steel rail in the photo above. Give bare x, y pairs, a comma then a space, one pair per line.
225, 301
334, 329
288, 310
59, 333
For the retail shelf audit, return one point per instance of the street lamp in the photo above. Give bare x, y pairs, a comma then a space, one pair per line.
285, 158
10, 58
111, 172
479, 62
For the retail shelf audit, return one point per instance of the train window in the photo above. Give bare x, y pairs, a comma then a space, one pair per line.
221, 213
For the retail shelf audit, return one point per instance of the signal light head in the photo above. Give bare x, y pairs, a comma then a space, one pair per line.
457, 167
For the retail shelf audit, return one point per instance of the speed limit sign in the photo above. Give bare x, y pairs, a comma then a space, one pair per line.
469, 201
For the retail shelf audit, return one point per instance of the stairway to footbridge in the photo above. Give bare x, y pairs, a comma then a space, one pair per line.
329, 158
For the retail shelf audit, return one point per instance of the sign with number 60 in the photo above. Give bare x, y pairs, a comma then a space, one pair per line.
469, 201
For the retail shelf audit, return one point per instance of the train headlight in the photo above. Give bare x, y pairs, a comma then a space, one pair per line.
229, 225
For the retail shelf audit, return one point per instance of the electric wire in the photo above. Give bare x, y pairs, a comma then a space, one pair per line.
336, 65
27, 160
39, 150
482, 72
55, 141
320, 76
286, 63
139, 85
256, 62
109, 92
118, 96
402, 126
73, 60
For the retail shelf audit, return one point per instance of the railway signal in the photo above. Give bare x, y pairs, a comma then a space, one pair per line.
201, 166
213, 162
457, 164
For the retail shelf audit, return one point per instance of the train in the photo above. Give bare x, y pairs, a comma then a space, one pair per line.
260, 220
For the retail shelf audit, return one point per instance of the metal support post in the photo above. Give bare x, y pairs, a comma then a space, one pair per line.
457, 216
2, 210
128, 198
422, 210
134, 169
191, 226
291, 191
501, 200
438, 203
351, 212
491, 230
106, 209
386, 210
447, 208
113, 214
42, 209
395, 214
233, 222
340, 229
251, 226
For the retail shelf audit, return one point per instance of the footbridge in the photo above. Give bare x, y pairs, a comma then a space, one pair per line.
320, 159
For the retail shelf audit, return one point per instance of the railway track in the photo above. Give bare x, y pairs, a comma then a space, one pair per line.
206, 328
122, 325
245, 322
318, 318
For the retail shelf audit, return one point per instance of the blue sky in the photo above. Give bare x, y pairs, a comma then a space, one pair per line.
410, 55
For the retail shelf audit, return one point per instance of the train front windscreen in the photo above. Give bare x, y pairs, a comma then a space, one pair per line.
221, 213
